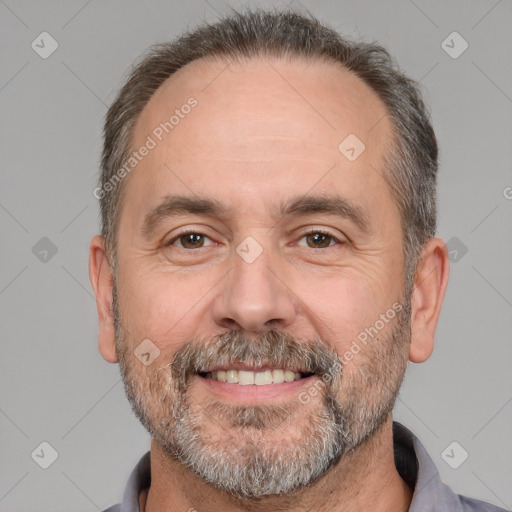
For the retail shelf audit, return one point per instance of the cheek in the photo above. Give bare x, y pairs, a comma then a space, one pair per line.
347, 307
161, 308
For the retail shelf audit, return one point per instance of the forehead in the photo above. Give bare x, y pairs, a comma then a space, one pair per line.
261, 95
263, 126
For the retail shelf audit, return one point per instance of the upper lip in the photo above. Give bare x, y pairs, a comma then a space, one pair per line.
248, 368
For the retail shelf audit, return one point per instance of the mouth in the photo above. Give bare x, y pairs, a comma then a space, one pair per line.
248, 385
256, 376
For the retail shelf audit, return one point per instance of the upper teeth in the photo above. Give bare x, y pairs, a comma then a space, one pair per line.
259, 378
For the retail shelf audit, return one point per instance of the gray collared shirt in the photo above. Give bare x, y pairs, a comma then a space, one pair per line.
412, 462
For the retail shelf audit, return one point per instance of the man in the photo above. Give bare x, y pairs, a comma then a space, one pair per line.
267, 266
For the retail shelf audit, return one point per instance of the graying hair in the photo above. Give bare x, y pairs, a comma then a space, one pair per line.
410, 164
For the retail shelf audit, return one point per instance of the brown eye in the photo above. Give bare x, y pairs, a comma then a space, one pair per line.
319, 239
190, 240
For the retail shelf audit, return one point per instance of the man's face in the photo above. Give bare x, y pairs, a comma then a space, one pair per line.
273, 281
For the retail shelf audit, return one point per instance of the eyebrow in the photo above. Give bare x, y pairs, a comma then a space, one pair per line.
326, 204
173, 206
301, 205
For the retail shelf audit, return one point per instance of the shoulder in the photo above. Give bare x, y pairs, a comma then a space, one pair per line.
139, 480
113, 508
430, 494
474, 505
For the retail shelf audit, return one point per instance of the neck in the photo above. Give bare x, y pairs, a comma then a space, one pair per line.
365, 479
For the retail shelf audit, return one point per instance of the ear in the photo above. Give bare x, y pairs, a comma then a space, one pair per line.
430, 284
102, 282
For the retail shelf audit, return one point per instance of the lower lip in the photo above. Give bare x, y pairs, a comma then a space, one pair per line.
253, 393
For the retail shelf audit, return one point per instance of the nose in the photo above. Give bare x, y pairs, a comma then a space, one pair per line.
255, 297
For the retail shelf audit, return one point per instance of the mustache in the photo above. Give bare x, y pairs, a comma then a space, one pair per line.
272, 349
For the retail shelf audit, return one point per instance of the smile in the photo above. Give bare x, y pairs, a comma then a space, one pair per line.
258, 378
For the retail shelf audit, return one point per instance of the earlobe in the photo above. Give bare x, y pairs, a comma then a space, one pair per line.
101, 281
430, 284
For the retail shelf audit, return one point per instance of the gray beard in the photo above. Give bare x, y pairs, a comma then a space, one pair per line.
253, 469
254, 457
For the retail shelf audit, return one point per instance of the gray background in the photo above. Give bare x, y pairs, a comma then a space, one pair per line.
55, 387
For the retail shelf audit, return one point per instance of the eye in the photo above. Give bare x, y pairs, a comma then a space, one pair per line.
319, 239
315, 239
189, 240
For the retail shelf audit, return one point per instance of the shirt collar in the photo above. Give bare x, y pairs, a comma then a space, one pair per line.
411, 459
415, 466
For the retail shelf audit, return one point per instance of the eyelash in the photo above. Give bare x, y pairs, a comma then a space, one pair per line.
311, 232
